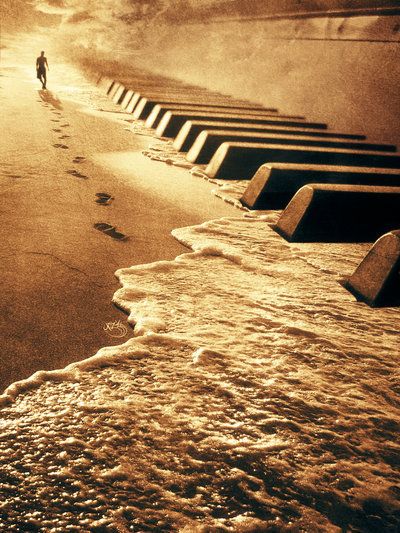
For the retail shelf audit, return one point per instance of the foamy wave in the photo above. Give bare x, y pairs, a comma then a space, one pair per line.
257, 394
268, 401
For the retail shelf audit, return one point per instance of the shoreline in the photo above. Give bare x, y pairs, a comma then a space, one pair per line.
66, 154
258, 394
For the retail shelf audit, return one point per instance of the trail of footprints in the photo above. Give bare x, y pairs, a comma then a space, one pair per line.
102, 198
78, 159
58, 116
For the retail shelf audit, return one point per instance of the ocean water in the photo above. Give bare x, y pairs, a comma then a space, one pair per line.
256, 395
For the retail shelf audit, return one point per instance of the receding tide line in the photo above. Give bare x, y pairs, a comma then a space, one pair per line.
145, 331
104, 357
109, 355
133, 348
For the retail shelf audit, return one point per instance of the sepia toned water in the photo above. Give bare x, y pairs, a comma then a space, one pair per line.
256, 395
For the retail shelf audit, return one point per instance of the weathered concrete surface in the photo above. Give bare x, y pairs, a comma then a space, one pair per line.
376, 279
173, 121
192, 128
239, 160
273, 185
340, 213
230, 108
188, 100
158, 110
58, 270
178, 94
127, 98
120, 94
209, 141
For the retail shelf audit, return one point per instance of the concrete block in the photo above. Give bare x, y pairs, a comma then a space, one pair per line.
133, 102
138, 85
192, 128
119, 94
139, 94
143, 105
158, 111
242, 160
274, 184
376, 280
168, 94
111, 86
160, 90
114, 89
172, 122
151, 107
127, 98
209, 141
340, 213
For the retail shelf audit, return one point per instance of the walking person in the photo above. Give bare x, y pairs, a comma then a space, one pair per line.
41, 64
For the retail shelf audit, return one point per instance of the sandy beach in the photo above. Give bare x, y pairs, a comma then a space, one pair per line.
250, 392
57, 156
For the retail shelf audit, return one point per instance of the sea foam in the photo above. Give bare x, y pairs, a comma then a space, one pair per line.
257, 395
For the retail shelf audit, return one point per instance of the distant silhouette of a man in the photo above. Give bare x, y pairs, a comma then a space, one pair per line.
41, 64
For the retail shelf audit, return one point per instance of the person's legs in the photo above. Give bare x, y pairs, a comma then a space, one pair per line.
42, 78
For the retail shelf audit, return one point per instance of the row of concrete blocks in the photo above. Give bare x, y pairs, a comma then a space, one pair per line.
323, 174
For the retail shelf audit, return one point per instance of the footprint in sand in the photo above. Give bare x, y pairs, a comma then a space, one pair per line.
77, 174
64, 125
55, 120
64, 136
15, 176
58, 130
79, 159
103, 226
63, 146
103, 198
111, 231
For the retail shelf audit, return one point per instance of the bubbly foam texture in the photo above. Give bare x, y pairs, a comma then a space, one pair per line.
256, 396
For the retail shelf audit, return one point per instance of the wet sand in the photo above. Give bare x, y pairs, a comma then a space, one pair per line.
68, 176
